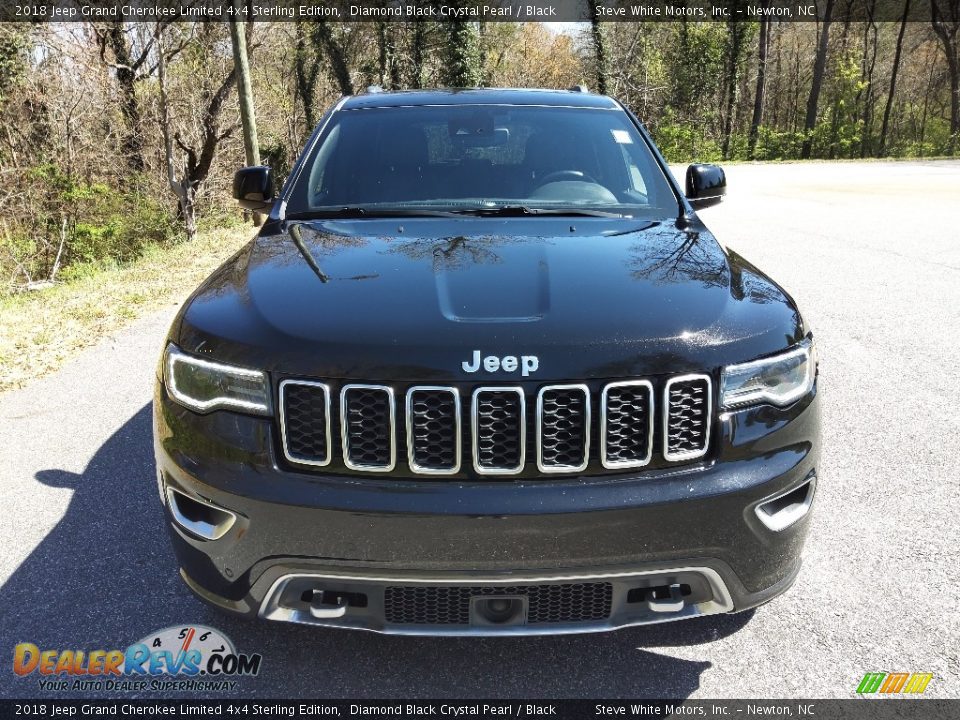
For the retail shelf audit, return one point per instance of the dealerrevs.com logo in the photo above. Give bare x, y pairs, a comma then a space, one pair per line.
191, 657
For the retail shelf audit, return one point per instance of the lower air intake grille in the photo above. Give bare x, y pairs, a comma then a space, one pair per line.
305, 419
367, 418
499, 424
627, 409
433, 430
687, 425
450, 605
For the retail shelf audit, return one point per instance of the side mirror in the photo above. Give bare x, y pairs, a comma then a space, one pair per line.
253, 188
706, 185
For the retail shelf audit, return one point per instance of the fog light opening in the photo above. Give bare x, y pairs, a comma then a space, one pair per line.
784, 510
199, 518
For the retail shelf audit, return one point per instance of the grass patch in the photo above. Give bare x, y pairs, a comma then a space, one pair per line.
40, 330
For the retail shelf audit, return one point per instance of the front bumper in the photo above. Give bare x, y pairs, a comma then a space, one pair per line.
645, 546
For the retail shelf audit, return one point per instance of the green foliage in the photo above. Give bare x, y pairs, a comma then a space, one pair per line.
682, 142
95, 224
463, 64
13, 57
695, 58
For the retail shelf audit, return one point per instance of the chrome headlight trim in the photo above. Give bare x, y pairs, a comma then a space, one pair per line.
256, 378
735, 377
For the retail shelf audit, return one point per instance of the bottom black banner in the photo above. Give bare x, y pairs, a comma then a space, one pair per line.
874, 709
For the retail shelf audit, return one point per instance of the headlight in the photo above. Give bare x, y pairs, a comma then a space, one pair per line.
203, 386
779, 380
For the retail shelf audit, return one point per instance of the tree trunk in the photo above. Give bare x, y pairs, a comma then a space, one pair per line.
306, 68
893, 80
463, 58
248, 118
180, 188
762, 50
417, 55
323, 38
946, 25
867, 75
819, 66
115, 38
600, 51
735, 30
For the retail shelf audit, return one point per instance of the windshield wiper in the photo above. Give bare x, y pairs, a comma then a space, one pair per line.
524, 210
362, 212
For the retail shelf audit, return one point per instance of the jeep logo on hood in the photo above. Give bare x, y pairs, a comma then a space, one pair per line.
508, 363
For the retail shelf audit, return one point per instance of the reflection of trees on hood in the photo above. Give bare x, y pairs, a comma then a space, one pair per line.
746, 283
453, 253
320, 244
678, 258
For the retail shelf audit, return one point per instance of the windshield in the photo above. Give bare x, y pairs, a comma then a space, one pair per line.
481, 159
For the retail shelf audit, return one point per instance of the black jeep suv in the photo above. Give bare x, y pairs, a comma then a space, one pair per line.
483, 370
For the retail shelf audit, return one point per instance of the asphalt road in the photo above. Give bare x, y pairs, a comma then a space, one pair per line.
872, 254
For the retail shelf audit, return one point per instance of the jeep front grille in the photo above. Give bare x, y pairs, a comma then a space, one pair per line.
687, 421
641, 422
305, 421
367, 417
563, 428
626, 418
433, 430
499, 430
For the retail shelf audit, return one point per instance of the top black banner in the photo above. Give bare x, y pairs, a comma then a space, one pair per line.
473, 11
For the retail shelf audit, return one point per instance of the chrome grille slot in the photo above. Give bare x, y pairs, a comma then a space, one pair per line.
563, 428
499, 430
687, 410
433, 430
305, 422
626, 417
367, 427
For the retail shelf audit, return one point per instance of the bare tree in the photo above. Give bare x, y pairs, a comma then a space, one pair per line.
763, 48
881, 150
198, 158
598, 35
820, 64
306, 69
248, 119
335, 52
946, 24
735, 37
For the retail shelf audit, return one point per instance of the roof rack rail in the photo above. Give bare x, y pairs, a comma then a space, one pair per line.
578, 88
373, 89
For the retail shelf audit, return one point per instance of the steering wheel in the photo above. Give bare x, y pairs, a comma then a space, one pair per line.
567, 175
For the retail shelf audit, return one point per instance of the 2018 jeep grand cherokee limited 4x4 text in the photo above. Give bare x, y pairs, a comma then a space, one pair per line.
483, 370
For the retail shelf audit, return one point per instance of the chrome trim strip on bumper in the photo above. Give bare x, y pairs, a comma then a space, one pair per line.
721, 602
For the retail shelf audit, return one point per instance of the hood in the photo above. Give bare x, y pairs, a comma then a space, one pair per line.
414, 299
